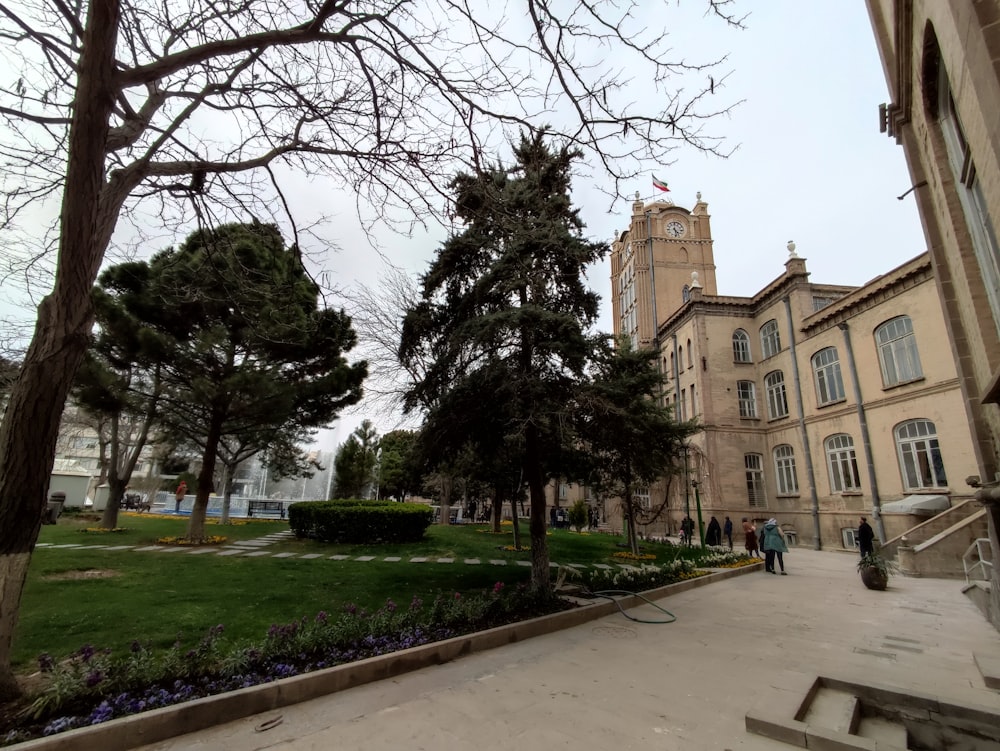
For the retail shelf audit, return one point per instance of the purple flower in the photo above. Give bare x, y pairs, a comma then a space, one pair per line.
390, 606
93, 678
45, 662
497, 587
321, 617
351, 608
86, 652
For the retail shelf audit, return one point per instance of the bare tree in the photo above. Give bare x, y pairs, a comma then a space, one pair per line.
188, 111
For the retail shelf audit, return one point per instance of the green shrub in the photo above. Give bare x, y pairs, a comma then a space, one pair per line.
359, 522
578, 515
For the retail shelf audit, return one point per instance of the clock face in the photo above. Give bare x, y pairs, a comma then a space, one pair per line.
675, 229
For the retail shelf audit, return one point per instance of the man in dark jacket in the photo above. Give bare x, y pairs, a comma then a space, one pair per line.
866, 538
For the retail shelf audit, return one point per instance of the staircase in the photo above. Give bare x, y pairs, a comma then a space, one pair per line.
935, 547
832, 713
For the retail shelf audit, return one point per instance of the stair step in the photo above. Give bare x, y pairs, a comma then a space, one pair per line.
883, 731
833, 710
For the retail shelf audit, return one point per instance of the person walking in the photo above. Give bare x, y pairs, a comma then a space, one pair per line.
866, 538
727, 530
687, 529
750, 537
772, 542
713, 535
182, 490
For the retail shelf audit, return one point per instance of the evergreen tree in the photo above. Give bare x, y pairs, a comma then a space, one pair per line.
504, 312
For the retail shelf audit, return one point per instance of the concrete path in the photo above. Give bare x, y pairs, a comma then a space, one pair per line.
616, 684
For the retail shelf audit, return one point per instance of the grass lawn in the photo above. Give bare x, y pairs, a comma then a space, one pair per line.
110, 598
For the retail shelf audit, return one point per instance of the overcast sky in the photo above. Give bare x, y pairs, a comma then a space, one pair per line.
810, 164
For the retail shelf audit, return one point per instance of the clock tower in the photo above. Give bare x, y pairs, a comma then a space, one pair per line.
660, 250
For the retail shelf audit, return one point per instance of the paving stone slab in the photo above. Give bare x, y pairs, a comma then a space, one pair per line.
148, 547
472, 561
365, 558
392, 558
173, 549
523, 563
418, 560
283, 555
255, 553
230, 552
199, 551
339, 557
446, 560
499, 562
602, 566
43, 545
309, 556
68, 545
121, 547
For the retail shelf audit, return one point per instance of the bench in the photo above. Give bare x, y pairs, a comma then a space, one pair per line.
266, 507
134, 502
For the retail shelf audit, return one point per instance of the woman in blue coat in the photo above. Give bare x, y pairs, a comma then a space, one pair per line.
772, 542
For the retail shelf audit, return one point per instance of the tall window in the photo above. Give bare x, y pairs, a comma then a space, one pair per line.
970, 194
754, 464
770, 341
680, 359
686, 293
897, 351
920, 455
747, 394
741, 346
684, 404
694, 407
829, 383
843, 464
777, 401
690, 362
784, 468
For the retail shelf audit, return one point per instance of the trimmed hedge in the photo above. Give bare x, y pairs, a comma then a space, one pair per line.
359, 522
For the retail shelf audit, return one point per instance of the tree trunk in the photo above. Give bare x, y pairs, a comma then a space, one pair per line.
31, 422
116, 491
206, 482
541, 580
227, 491
445, 500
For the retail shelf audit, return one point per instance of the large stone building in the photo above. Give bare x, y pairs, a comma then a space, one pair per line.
942, 64
819, 403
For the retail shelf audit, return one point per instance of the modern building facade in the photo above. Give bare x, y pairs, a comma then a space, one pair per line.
819, 403
941, 59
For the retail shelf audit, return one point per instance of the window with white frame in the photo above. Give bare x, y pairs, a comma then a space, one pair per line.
770, 340
784, 468
970, 194
756, 496
641, 496
920, 455
563, 490
746, 392
829, 382
777, 399
741, 346
842, 463
897, 351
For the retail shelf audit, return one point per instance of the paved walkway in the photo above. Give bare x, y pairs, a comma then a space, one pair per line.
258, 547
616, 684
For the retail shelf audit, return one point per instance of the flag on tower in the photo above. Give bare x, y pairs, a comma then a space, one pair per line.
660, 185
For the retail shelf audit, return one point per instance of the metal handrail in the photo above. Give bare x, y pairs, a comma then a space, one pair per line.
983, 564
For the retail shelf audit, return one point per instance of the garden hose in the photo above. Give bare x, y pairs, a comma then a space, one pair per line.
607, 594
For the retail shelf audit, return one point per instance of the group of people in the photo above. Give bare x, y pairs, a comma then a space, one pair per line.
770, 539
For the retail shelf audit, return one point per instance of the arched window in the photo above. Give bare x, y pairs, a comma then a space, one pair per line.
741, 346
897, 351
770, 340
747, 394
829, 382
784, 469
690, 363
680, 359
777, 401
686, 293
842, 463
756, 495
920, 455
673, 370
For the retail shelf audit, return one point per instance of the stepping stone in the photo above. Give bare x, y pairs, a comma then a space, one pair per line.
497, 562
392, 559
339, 557
92, 547
523, 563
365, 558
199, 551
418, 560
43, 545
251, 543
574, 565
255, 553
552, 564
68, 545
276, 555
122, 547
230, 552
472, 561
174, 549
602, 566
149, 547
313, 555
446, 560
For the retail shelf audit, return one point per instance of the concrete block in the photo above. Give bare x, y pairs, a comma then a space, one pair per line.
824, 739
989, 668
779, 728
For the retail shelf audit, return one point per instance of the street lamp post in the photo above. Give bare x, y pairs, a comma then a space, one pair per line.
687, 498
701, 524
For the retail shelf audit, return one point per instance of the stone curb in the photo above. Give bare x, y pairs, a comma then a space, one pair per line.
179, 719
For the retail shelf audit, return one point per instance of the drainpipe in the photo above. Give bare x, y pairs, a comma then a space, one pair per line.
810, 474
652, 285
865, 437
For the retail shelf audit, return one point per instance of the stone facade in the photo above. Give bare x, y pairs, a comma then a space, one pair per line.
819, 403
942, 64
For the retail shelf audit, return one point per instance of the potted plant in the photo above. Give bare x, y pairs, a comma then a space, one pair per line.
875, 570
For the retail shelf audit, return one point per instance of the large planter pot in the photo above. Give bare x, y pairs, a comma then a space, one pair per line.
874, 578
